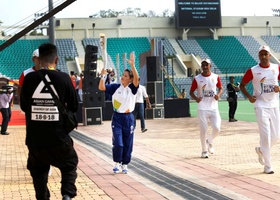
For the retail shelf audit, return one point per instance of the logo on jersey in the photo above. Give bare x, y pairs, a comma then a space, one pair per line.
262, 84
42, 92
44, 108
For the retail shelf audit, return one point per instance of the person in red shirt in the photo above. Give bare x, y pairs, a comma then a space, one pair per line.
35, 59
73, 78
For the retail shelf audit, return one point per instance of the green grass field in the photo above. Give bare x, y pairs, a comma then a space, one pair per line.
245, 110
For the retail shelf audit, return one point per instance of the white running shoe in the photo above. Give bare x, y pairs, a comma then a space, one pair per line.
116, 169
124, 169
204, 154
50, 171
268, 170
260, 156
210, 147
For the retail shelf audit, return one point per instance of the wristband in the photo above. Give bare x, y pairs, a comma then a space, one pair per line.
103, 77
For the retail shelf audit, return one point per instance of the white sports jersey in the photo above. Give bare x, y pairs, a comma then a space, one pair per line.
141, 92
264, 80
123, 98
207, 89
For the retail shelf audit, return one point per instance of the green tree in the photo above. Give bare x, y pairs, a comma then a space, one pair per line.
130, 11
167, 13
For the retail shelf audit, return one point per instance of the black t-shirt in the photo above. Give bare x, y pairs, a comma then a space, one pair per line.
44, 127
231, 91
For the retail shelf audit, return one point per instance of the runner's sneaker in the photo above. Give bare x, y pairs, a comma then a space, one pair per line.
117, 167
210, 147
50, 171
204, 154
268, 170
124, 169
258, 151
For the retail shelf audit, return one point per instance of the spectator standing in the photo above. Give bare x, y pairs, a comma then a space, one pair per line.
123, 100
5, 99
80, 87
110, 78
46, 138
73, 78
265, 97
35, 59
232, 90
183, 94
139, 106
207, 98
78, 78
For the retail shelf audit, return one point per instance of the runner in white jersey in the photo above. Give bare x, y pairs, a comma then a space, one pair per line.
265, 98
205, 85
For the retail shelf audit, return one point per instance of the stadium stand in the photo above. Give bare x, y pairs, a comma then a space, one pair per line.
66, 50
242, 47
251, 45
126, 45
191, 46
218, 51
168, 48
17, 57
93, 42
273, 42
96, 42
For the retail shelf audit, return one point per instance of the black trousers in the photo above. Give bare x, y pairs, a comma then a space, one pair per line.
5, 119
64, 157
232, 108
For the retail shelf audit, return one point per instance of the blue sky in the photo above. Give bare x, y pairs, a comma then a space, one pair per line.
13, 11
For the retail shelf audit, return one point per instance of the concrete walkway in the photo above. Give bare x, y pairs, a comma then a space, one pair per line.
171, 145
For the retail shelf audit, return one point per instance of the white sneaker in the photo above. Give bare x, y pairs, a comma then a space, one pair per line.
260, 156
116, 169
204, 154
50, 171
268, 170
210, 147
124, 169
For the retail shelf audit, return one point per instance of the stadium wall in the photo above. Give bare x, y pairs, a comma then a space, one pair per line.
131, 26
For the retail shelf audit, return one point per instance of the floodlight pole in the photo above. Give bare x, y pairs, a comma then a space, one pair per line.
51, 24
73, 42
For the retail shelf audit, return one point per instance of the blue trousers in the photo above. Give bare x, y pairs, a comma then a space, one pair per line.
139, 110
123, 133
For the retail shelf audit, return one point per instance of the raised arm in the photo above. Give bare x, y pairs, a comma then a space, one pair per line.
101, 85
131, 62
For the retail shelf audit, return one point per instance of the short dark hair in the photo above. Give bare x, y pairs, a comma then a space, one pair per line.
231, 77
47, 52
129, 72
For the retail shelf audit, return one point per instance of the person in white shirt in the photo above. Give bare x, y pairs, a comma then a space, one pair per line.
207, 98
139, 106
5, 99
123, 100
78, 79
264, 77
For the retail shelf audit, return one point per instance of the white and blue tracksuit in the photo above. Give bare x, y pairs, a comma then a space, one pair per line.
123, 100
